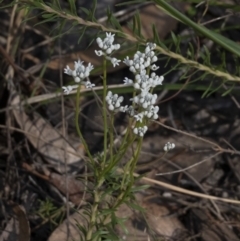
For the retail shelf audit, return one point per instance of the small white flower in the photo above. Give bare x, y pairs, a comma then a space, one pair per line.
131, 110
67, 89
107, 45
117, 46
145, 99
109, 95
115, 61
127, 81
137, 86
151, 112
80, 72
67, 70
99, 42
110, 37
140, 131
154, 59
89, 85
114, 101
139, 117
111, 107
135, 131
123, 108
142, 80
154, 67
132, 69
151, 46
155, 80
127, 61
168, 146
89, 68
77, 79
99, 52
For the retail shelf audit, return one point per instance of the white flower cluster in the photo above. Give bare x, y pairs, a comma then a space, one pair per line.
142, 63
114, 102
79, 73
107, 47
140, 131
168, 146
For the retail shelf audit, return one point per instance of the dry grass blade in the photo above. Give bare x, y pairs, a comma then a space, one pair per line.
45, 97
185, 191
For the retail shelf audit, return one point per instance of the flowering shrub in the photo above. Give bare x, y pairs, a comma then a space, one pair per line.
141, 110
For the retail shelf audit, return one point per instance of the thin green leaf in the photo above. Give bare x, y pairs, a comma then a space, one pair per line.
207, 90
174, 38
48, 15
217, 38
134, 25
82, 34
115, 23
130, 3
208, 57
229, 90
85, 10
139, 25
46, 20
93, 9
155, 35
72, 5
214, 90
135, 206
140, 188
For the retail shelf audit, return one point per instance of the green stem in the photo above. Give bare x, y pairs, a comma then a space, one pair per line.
121, 152
94, 209
105, 111
111, 137
77, 124
135, 159
124, 192
130, 166
93, 218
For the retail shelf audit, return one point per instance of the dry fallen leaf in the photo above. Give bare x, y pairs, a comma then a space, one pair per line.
186, 155
62, 233
137, 228
45, 139
161, 222
11, 231
211, 229
75, 187
152, 15
17, 228
156, 220
132, 233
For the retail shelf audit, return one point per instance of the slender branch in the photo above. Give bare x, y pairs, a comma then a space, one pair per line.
134, 39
